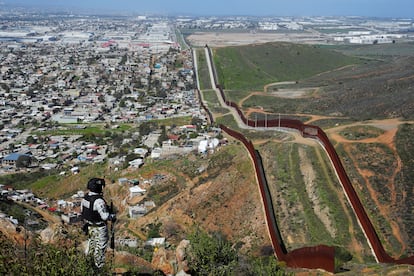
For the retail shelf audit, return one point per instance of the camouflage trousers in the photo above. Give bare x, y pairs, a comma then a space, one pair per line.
97, 243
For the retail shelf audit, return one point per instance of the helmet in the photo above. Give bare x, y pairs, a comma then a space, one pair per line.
95, 185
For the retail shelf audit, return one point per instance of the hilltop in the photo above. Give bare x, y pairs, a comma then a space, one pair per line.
250, 67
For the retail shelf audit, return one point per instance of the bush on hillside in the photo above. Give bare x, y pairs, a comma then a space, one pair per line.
210, 255
43, 259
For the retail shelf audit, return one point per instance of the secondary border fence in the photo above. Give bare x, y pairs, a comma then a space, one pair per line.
321, 256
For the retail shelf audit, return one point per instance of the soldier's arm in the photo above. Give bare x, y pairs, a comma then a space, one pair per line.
102, 209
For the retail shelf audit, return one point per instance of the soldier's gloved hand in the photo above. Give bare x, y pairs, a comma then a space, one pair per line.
112, 217
85, 229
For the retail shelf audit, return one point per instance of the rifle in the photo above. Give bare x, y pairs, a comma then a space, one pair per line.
112, 233
112, 230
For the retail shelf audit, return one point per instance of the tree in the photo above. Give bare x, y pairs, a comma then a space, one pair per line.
101, 98
163, 137
122, 103
24, 161
123, 60
211, 255
197, 122
30, 140
5, 87
145, 128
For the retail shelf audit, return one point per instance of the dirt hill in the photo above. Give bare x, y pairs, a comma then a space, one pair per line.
223, 198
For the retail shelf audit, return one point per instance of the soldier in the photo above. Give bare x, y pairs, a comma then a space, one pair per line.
95, 213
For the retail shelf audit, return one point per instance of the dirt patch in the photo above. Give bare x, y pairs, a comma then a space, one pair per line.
222, 39
292, 93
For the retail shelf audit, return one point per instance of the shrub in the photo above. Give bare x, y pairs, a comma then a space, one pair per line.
211, 255
43, 259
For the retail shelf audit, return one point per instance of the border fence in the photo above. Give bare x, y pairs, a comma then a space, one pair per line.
321, 256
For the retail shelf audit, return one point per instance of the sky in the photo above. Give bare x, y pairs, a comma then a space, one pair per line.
374, 8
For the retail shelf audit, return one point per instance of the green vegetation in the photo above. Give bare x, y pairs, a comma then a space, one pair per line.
229, 121
212, 102
154, 230
210, 96
181, 39
73, 130
213, 255
236, 96
297, 198
290, 181
251, 67
269, 134
361, 132
346, 83
256, 116
162, 192
263, 267
332, 122
49, 184
177, 121
22, 180
207, 255
341, 257
283, 105
404, 180
66, 258
376, 51
42, 259
203, 72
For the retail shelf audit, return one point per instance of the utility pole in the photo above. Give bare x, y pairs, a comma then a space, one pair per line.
279, 121
255, 121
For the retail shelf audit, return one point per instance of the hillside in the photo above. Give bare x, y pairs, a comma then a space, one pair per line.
191, 191
345, 98
223, 198
377, 85
250, 67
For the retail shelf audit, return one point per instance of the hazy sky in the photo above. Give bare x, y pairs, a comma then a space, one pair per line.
381, 8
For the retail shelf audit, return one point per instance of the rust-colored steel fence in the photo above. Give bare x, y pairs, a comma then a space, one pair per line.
307, 257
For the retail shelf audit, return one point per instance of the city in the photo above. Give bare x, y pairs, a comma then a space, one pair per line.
95, 76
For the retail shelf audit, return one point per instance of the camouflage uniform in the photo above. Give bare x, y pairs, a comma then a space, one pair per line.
95, 214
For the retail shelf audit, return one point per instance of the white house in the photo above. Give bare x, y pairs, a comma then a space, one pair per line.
136, 191
141, 151
136, 163
123, 181
155, 242
205, 145
75, 170
137, 211
156, 153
